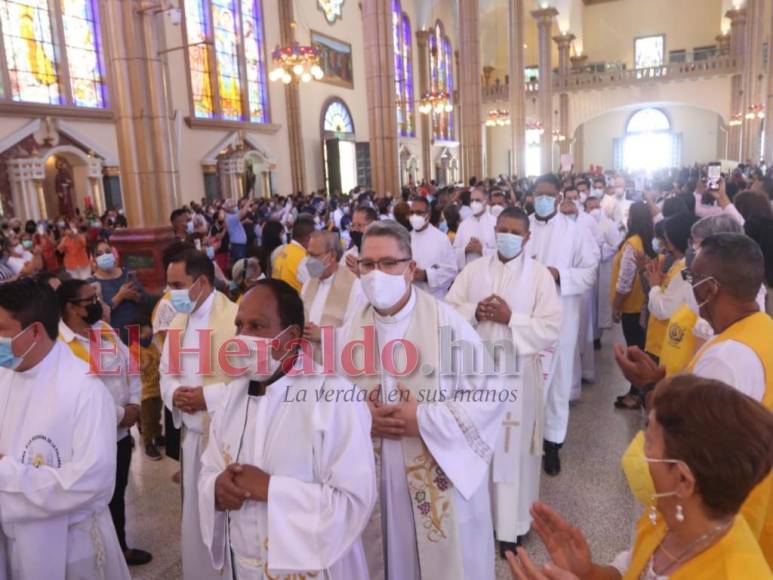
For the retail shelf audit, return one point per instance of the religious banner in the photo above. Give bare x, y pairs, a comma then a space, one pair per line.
335, 60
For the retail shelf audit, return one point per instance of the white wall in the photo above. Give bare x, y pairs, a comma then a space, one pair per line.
700, 131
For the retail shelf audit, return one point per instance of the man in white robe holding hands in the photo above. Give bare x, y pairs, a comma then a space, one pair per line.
435, 420
436, 264
512, 301
57, 449
287, 482
572, 256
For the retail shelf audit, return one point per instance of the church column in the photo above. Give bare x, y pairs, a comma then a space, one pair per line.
737, 48
768, 153
380, 86
564, 42
293, 110
422, 40
545, 19
517, 90
469, 90
95, 185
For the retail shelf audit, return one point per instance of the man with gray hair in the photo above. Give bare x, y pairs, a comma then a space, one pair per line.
331, 291
435, 415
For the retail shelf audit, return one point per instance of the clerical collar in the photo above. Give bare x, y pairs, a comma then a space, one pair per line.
544, 221
258, 388
402, 314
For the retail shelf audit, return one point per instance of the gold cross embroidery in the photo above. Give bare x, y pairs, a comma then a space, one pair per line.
508, 423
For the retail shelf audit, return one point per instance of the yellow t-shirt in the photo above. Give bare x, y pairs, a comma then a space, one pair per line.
656, 327
679, 343
634, 301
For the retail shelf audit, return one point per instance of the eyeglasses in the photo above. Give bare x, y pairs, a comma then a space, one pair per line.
692, 278
388, 265
85, 301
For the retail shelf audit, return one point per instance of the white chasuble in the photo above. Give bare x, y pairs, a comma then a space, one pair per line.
317, 450
434, 254
530, 292
57, 474
433, 517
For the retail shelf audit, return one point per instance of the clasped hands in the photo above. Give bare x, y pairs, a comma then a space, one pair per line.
238, 483
493, 309
393, 421
189, 399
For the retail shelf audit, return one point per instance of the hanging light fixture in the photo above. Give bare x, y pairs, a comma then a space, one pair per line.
735, 120
498, 118
558, 137
535, 126
295, 62
437, 102
755, 112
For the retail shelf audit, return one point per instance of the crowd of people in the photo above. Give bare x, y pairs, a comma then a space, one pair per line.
420, 476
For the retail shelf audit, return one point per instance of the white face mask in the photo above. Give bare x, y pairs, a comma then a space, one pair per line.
596, 213
417, 221
477, 207
496, 210
383, 290
262, 365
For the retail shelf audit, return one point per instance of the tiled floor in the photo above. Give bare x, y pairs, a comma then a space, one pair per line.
590, 491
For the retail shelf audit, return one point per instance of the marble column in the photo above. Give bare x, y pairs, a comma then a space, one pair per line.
292, 100
380, 90
422, 41
737, 50
768, 153
470, 90
752, 56
564, 42
545, 18
517, 91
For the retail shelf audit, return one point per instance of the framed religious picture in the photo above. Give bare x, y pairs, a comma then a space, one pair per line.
335, 60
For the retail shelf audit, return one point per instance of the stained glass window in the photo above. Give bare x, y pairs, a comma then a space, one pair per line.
403, 66
235, 64
441, 63
196, 27
37, 45
337, 118
81, 36
407, 68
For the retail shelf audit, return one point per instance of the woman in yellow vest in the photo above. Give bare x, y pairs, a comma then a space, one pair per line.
680, 343
626, 291
668, 291
699, 477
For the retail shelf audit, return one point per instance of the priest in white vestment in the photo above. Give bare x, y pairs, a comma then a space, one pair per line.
191, 388
288, 481
571, 255
511, 300
434, 429
475, 235
57, 449
436, 265
610, 240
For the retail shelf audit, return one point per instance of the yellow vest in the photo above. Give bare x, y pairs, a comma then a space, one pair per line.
679, 344
734, 557
634, 301
285, 266
756, 332
656, 327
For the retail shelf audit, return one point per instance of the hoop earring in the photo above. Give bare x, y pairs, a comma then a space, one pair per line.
679, 513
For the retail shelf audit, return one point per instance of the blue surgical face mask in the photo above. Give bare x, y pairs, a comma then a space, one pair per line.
189, 227
210, 252
657, 245
181, 300
8, 360
544, 205
105, 262
509, 245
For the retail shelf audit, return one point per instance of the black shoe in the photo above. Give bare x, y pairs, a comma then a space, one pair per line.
135, 557
160, 441
152, 452
597, 344
551, 462
505, 547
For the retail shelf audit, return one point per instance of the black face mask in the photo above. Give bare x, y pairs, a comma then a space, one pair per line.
93, 313
146, 342
356, 239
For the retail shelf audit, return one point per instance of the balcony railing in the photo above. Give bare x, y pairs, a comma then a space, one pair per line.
618, 75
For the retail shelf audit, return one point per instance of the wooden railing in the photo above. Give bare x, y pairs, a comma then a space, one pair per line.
620, 76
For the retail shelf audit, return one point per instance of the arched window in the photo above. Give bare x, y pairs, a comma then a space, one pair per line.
649, 143
402, 38
441, 64
228, 80
53, 52
337, 118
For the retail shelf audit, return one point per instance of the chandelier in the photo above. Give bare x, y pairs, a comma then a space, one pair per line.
437, 102
735, 120
535, 126
295, 62
558, 137
498, 118
755, 112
